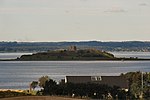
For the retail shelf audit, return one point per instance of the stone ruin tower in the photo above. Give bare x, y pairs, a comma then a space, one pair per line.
72, 48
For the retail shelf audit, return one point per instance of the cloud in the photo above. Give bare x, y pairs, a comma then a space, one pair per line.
143, 4
115, 10
25, 10
84, 0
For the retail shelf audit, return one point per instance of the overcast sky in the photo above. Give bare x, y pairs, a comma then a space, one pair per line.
74, 20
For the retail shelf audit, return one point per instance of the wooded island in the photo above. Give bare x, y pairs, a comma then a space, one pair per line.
72, 53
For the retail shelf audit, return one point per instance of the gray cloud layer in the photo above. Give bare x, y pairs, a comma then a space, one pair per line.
58, 20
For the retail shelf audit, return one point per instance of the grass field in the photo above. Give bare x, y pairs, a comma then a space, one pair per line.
39, 98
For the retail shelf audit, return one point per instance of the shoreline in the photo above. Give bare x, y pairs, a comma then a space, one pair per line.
42, 98
12, 90
116, 59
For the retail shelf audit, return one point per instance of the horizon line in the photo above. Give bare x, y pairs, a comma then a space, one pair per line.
83, 41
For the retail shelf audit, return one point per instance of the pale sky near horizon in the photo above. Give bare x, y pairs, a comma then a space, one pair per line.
74, 20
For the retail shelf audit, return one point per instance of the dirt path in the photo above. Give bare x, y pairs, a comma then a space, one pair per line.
39, 98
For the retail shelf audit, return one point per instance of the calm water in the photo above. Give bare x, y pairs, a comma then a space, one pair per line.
11, 55
18, 74
132, 54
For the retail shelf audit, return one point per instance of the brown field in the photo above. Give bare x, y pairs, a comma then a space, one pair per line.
39, 98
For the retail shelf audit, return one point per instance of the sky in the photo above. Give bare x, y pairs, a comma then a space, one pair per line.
74, 20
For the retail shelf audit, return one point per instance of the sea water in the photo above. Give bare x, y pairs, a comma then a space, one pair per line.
19, 74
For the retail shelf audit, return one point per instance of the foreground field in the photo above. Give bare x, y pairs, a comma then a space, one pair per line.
39, 98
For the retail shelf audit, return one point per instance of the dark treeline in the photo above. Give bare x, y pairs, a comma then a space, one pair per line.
99, 91
80, 90
45, 46
83, 90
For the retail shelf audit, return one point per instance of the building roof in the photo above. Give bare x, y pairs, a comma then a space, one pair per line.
78, 79
119, 81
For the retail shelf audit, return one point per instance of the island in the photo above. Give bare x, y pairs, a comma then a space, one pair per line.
72, 53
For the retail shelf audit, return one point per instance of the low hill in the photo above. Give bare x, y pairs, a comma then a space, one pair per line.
86, 54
